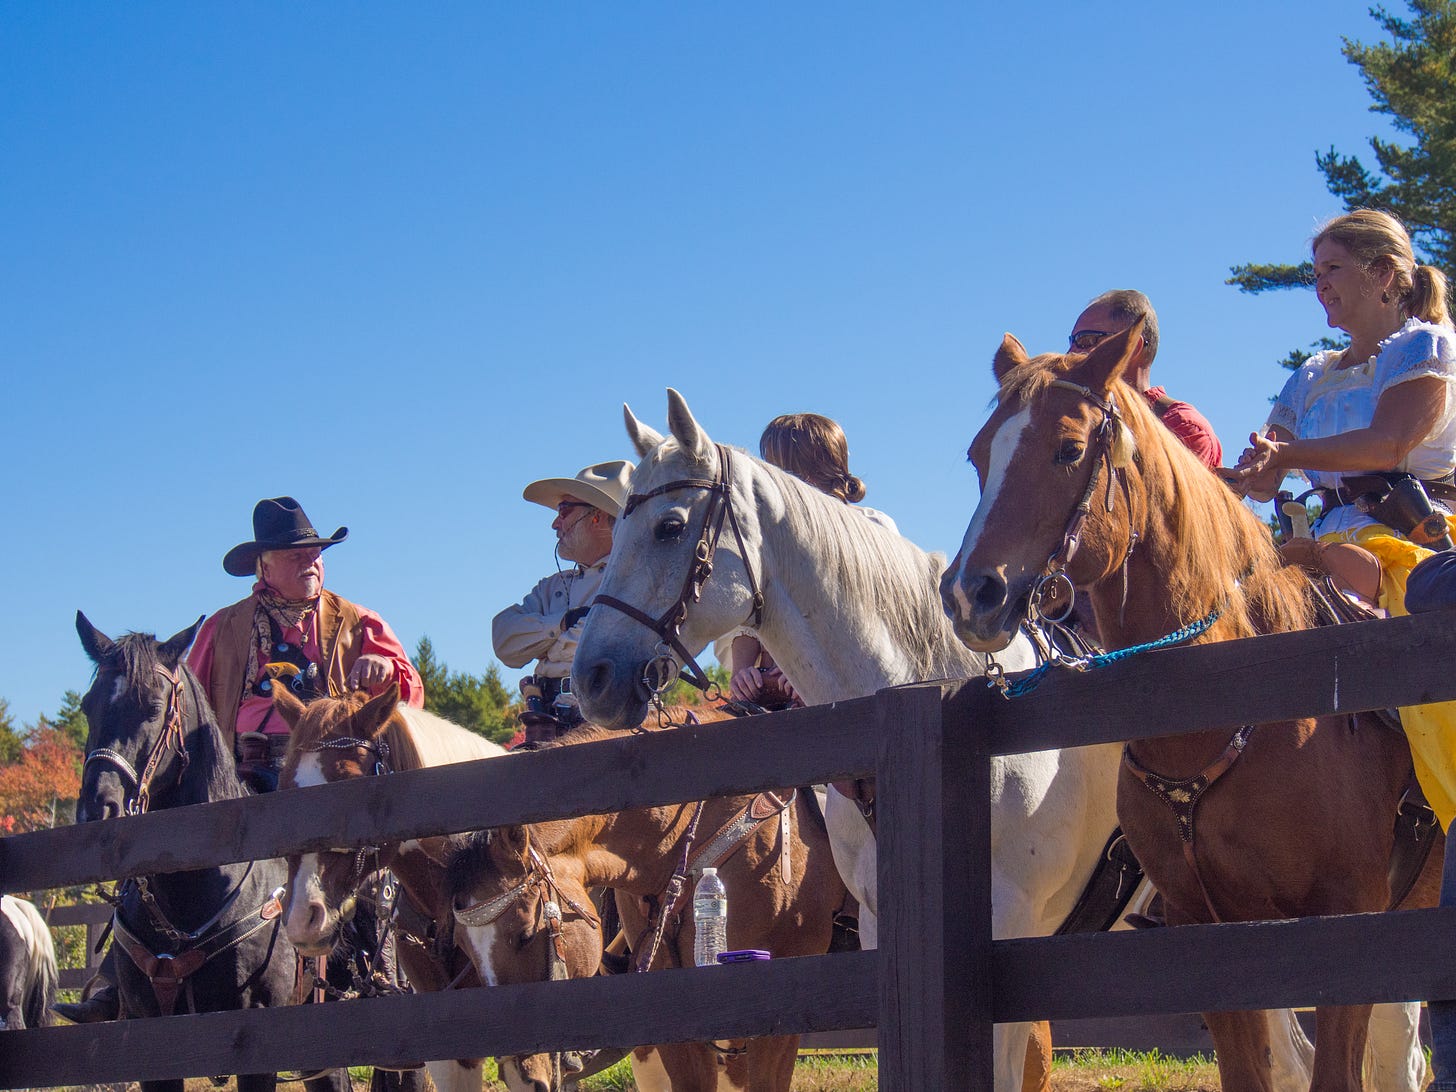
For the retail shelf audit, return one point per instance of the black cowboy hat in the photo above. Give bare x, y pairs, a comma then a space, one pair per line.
278, 524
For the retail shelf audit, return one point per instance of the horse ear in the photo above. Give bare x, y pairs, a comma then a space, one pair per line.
1111, 360
687, 430
644, 439
1012, 354
288, 707
375, 715
98, 646
175, 647
517, 840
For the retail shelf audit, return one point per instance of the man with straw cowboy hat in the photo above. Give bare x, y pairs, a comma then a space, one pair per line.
546, 625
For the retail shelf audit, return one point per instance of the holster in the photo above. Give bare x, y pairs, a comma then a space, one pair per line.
1401, 501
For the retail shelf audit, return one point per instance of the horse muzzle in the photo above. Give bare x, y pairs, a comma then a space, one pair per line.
982, 607
611, 694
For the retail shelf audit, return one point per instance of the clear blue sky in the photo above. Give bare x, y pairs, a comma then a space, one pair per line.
400, 260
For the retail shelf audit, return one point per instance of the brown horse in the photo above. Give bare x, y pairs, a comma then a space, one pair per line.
336, 739
1298, 816
783, 895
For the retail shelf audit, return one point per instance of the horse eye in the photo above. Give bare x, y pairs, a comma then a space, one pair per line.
1070, 452
669, 530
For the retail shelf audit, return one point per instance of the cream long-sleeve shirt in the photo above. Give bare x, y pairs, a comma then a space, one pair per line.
532, 628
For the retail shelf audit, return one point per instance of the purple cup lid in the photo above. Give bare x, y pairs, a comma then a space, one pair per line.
743, 955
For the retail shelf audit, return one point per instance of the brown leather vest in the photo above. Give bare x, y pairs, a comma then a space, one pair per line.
338, 638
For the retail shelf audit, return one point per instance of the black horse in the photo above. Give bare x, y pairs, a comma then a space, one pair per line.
28, 972
205, 940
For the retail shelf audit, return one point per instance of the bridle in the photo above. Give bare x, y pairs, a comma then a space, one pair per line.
380, 749
173, 738
1113, 449
540, 879
665, 668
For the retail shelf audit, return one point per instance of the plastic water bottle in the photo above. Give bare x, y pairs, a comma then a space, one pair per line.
710, 919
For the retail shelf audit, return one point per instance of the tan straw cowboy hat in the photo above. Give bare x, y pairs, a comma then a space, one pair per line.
602, 486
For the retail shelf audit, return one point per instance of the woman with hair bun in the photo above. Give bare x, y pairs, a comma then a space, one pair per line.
813, 449
1373, 428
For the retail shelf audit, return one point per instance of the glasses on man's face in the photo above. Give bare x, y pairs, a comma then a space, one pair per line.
1084, 341
564, 508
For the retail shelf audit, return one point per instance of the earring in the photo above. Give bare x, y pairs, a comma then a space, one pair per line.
1385, 297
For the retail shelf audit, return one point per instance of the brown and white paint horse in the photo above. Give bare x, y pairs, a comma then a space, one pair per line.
1301, 823
784, 895
337, 739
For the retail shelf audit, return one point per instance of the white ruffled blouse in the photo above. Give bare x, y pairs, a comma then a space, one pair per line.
1321, 400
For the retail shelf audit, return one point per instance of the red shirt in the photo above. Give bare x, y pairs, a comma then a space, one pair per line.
1190, 426
375, 638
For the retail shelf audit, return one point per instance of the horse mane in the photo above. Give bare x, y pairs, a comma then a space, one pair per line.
895, 580
44, 980
213, 756
1220, 552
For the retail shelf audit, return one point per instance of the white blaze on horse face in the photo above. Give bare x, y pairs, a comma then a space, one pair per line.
118, 688
1004, 446
310, 772
479, 940
304, 886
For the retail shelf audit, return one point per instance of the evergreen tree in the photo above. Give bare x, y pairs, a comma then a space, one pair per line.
480, 703
11, 741
69, 720
1412, 80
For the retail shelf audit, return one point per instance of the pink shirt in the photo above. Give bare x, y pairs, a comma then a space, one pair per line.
1190, 426
375, 638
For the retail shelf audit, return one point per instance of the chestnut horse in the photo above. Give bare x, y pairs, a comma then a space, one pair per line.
1075, 467
335, 739
783, 890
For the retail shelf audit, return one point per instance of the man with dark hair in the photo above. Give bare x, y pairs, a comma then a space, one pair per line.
1111, 313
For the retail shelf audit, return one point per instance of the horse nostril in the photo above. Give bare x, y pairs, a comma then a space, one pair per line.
990, 593
595, 680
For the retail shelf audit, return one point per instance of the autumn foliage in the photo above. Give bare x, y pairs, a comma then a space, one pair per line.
39, 788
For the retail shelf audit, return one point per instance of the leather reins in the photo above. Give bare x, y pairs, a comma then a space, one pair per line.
1180, 795
1112, 443
663, 669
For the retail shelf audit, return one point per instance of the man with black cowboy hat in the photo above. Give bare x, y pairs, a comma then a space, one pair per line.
546, 625
289, 631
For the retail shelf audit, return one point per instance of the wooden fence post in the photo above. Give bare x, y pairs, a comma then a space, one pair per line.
934, 837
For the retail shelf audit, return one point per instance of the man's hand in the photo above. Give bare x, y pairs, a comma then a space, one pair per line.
370, 671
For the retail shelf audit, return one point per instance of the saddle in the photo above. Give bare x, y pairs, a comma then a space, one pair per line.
1415, 821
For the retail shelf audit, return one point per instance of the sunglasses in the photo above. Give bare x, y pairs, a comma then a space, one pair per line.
566, 506
1084, 341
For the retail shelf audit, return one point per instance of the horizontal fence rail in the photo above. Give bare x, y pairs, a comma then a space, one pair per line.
937, 982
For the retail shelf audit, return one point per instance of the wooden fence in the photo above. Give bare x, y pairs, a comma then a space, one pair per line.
938, 982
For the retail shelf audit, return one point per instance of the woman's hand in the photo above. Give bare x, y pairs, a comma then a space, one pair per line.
1259, 470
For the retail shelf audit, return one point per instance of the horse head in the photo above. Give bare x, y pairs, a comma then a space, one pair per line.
522, 916
1050, 460
332, 739
141, 710
656, 599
